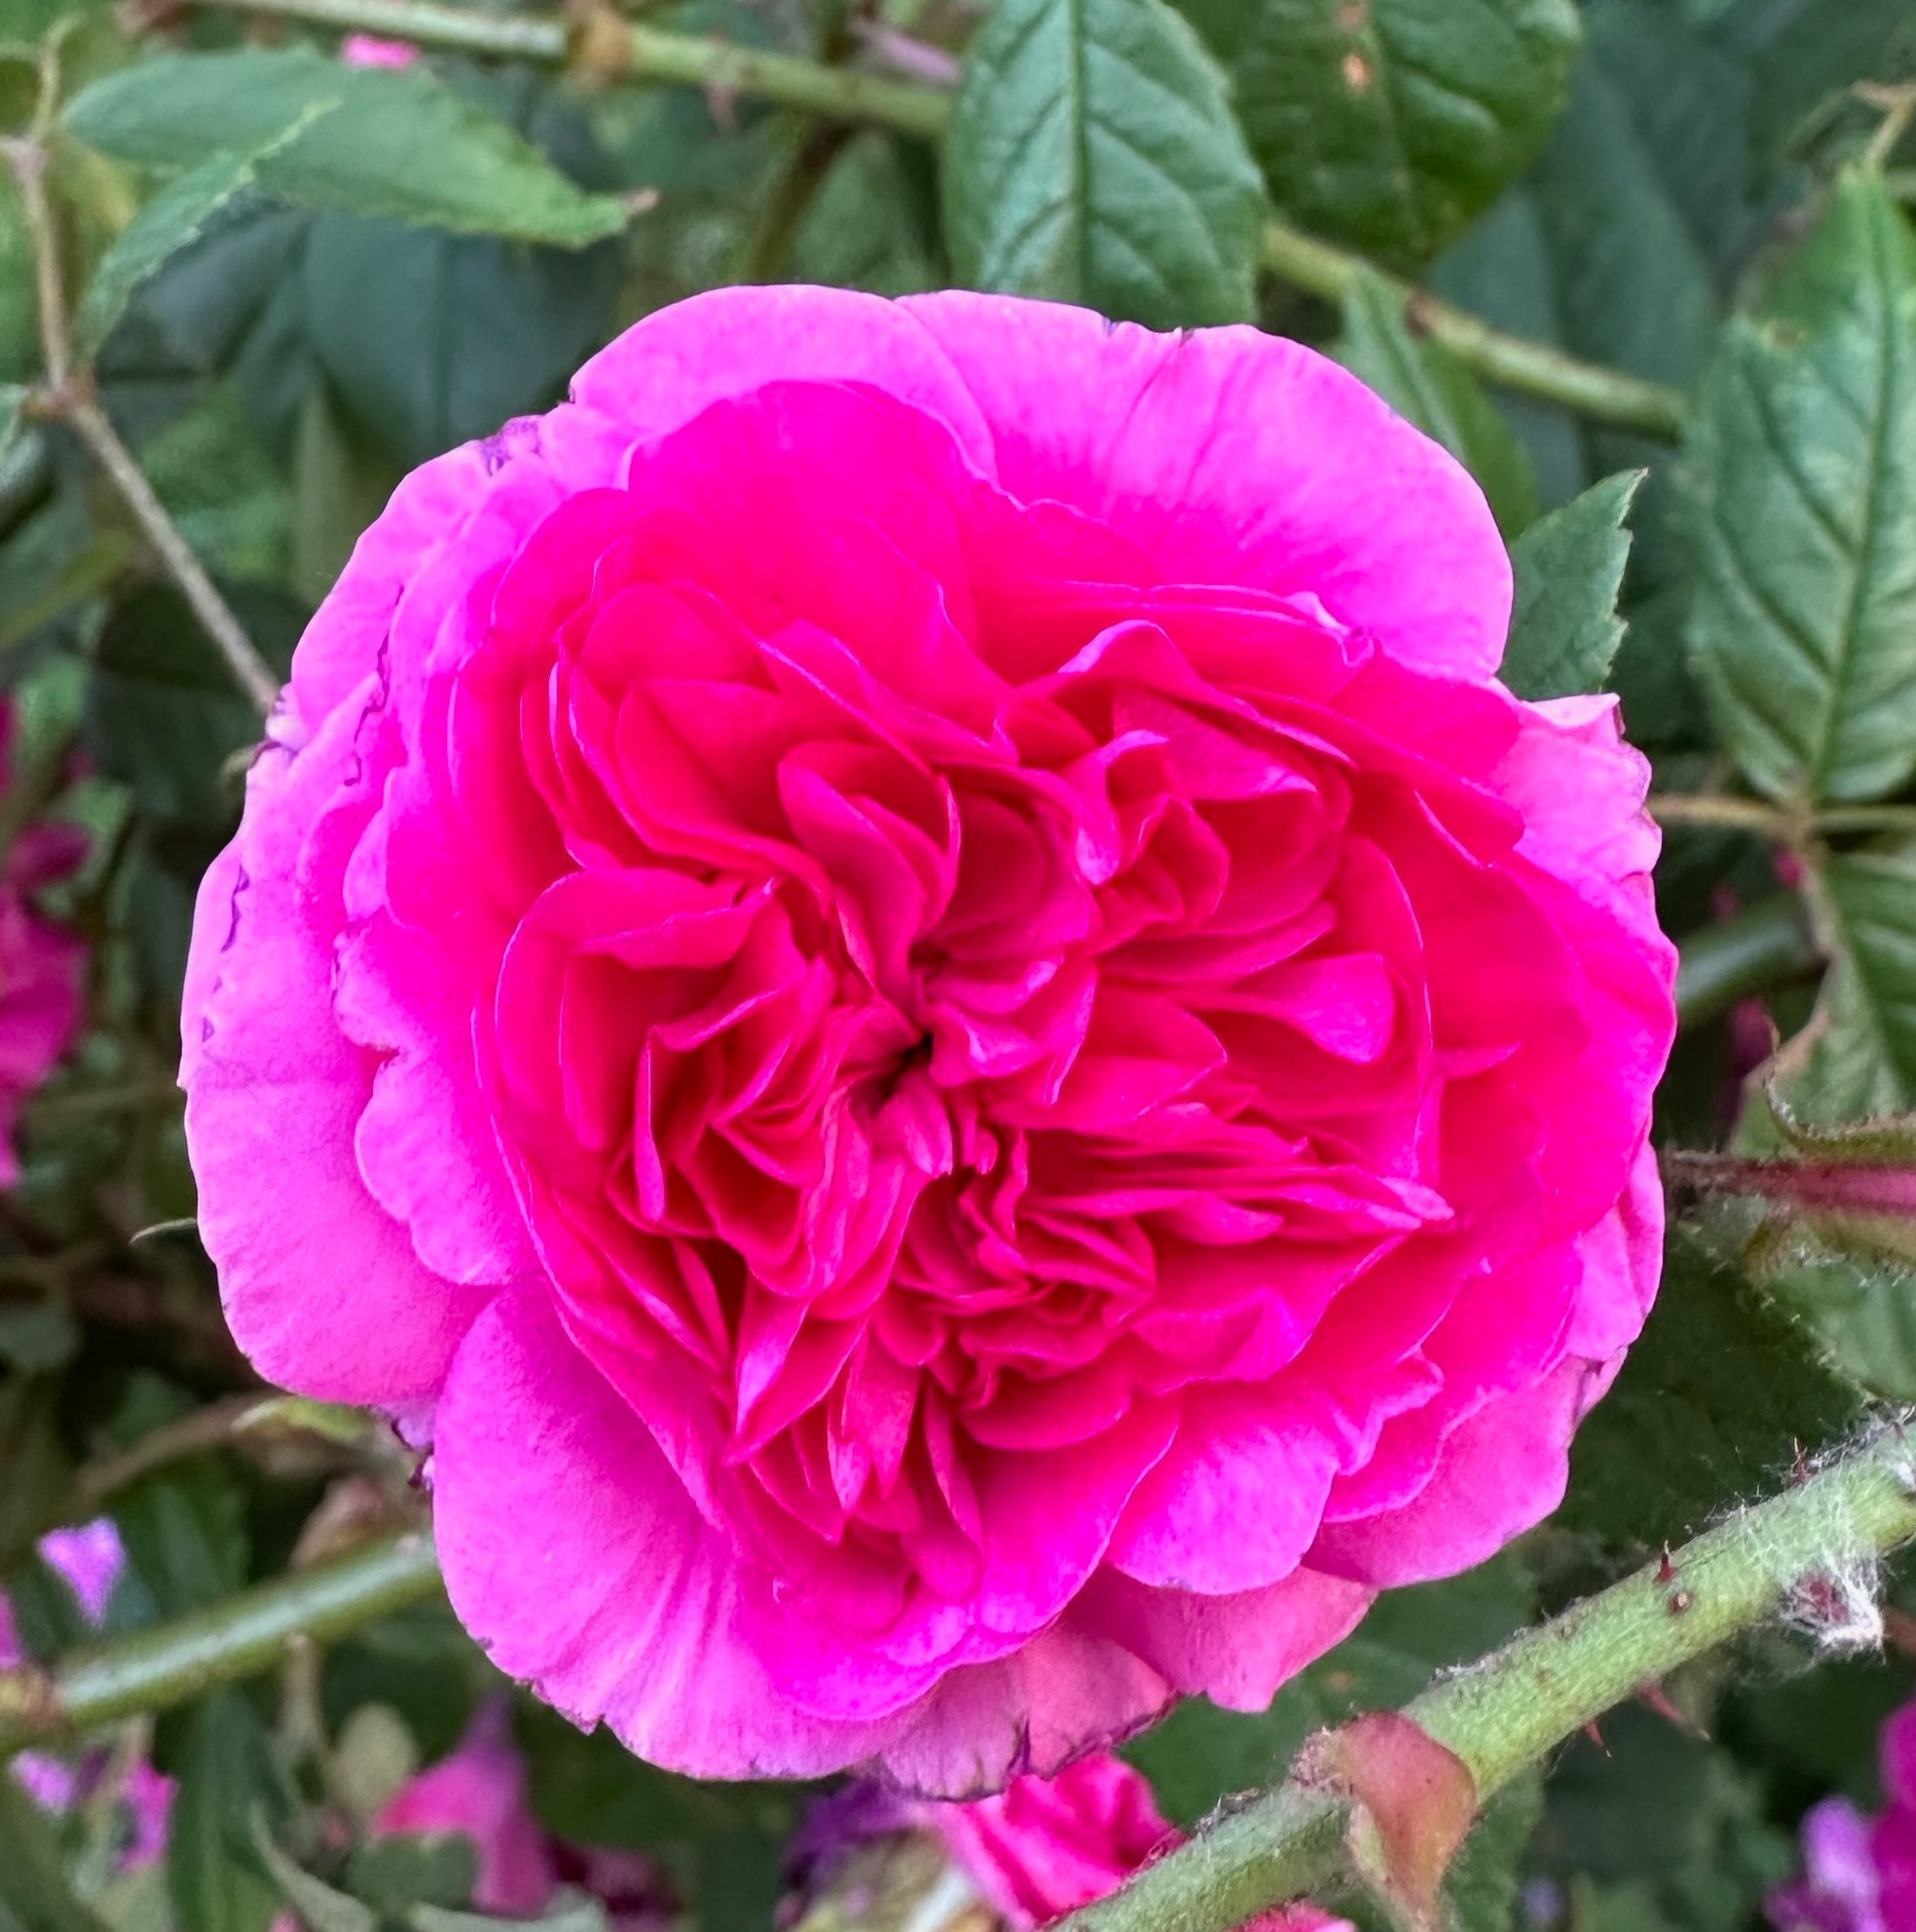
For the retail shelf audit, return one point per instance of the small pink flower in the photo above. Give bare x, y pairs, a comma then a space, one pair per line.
363, 49
935, 1014
480, 1792
89, 1558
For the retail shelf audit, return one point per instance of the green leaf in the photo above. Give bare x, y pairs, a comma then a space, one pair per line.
569, 1912
1802, 459
225, 493
1720, 1396
185, 1532
174, 217
213, 1873
1426, 384
723, 1844
1482, 1887
35, 1461
1866, 1315
1673, 1815
321, 1908
388, 143
1201, 1755
34, 1894
1390, 122
13, 399
162, 711
415, 1867
1563, 624
1800, 52
1858, 1057
432, 339
1092, 158
873, 222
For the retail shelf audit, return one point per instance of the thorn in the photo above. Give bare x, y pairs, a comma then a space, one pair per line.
1595, 1736
1800, 1470
1666, 1569
1652, 1693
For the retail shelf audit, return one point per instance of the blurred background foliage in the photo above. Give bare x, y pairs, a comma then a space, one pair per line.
1654, 240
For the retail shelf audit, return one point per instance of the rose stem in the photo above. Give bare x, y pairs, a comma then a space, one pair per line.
1607, 396
1764, 945
67, 394
609, 48
1512, 1710
242, 1636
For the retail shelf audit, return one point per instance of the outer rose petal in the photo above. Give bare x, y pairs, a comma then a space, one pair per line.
677, 362
1235, 457
1505, 1467
274, 1087
573, 1553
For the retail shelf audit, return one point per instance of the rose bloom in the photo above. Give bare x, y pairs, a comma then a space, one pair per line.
905, 979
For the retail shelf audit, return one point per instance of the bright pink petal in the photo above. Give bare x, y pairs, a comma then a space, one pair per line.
274, 1087
729, 341
1235, 457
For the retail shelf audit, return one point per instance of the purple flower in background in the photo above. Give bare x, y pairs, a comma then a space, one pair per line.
88, 1559
1838, 1890
1859, 1873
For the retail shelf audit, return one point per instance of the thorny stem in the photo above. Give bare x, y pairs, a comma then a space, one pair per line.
1604, 395
212, 1425
1785, 825
171, 1663
250, 671
67, 394
609, 48
1869, 1188
1509, 1712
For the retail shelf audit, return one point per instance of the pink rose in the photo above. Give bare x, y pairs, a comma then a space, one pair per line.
905, 978
42, 968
